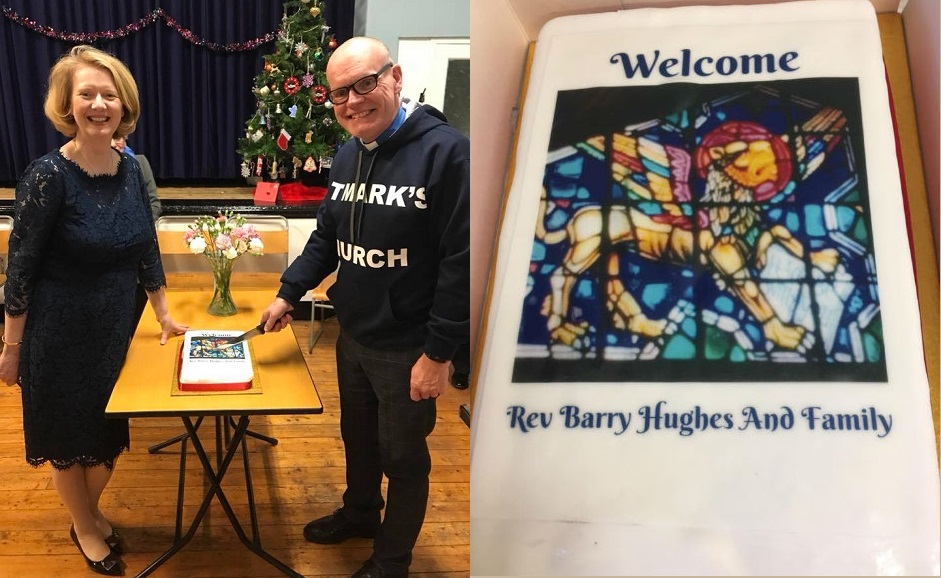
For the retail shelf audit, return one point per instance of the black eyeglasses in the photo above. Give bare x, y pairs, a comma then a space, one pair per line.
362, 87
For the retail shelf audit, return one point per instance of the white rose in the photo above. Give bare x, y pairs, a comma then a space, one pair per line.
198, 246
231, 253
255, 246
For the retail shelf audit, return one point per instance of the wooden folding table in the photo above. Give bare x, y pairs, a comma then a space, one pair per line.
146, 382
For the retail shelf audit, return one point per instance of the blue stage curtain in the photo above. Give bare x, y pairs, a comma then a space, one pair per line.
194, 101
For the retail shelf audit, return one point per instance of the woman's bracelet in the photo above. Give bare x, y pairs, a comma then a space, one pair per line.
5, 342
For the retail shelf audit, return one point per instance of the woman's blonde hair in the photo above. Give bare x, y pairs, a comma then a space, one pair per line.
58, 106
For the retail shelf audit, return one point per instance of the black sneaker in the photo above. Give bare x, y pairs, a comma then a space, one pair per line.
335, 528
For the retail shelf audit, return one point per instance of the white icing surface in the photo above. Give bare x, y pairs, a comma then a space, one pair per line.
732, 501
198, 368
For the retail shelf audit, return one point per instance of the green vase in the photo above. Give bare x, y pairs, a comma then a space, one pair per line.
222, 304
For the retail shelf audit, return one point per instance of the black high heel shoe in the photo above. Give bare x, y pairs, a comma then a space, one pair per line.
115, 542
112, 565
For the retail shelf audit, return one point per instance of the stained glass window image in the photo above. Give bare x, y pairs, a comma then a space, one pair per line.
704, 233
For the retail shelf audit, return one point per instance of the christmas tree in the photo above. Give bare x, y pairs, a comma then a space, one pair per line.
293, 131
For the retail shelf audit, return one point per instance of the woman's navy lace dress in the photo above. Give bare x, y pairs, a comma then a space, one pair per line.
77, 248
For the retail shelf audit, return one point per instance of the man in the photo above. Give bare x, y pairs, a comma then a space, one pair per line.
396, 219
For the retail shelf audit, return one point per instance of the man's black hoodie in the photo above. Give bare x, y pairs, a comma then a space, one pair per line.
396, 219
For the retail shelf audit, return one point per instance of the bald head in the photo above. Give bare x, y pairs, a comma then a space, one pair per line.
365, 115
359, 48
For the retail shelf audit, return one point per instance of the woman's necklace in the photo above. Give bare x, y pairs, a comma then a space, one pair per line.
94, 170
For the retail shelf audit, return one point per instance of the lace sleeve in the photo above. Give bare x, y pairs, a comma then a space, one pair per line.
38, 198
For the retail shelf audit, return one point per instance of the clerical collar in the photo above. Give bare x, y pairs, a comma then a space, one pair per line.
396, 123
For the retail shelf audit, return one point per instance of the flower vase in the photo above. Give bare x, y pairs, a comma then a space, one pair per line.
222, 304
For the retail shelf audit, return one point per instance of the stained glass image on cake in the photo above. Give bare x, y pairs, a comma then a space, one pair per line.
704, 233
209, 347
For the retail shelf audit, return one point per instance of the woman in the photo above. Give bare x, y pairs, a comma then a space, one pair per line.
82, 235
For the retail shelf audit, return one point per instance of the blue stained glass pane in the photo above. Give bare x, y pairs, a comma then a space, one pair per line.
585, 288
583, 193
813, 220
655, 168
738, 354
557, 219
689, 326
539, 252
547, 269
653, 294
724, 305
845, 217
570, 167
792, 222
650, 208
679, 347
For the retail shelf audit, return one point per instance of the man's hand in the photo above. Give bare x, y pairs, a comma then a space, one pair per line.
275, 316
429, 378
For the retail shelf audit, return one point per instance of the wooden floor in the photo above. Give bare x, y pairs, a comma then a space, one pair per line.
299, 479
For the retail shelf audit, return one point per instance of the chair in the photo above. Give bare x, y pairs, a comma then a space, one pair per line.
190, 271
319, 302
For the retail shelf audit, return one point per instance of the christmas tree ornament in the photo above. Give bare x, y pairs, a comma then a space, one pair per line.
326, 162
267, 66
291, 85
293, 111
246, 171
309, 136
318, 94
318, 54
327, 121
315, 11
283, 139
274, 170
277, 108
259, 165
310, 165
257, 136
268, 119
333, 43
307, 80
263, 91
305, 1
300, 48
328, 105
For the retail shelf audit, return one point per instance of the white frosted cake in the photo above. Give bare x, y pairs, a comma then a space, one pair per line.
703, 351
205, 366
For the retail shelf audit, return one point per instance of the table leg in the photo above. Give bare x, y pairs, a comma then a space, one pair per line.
215, 489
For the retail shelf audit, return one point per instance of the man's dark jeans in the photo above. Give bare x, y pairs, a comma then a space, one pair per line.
384, 431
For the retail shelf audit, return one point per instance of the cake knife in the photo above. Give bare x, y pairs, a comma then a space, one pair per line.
260, 330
